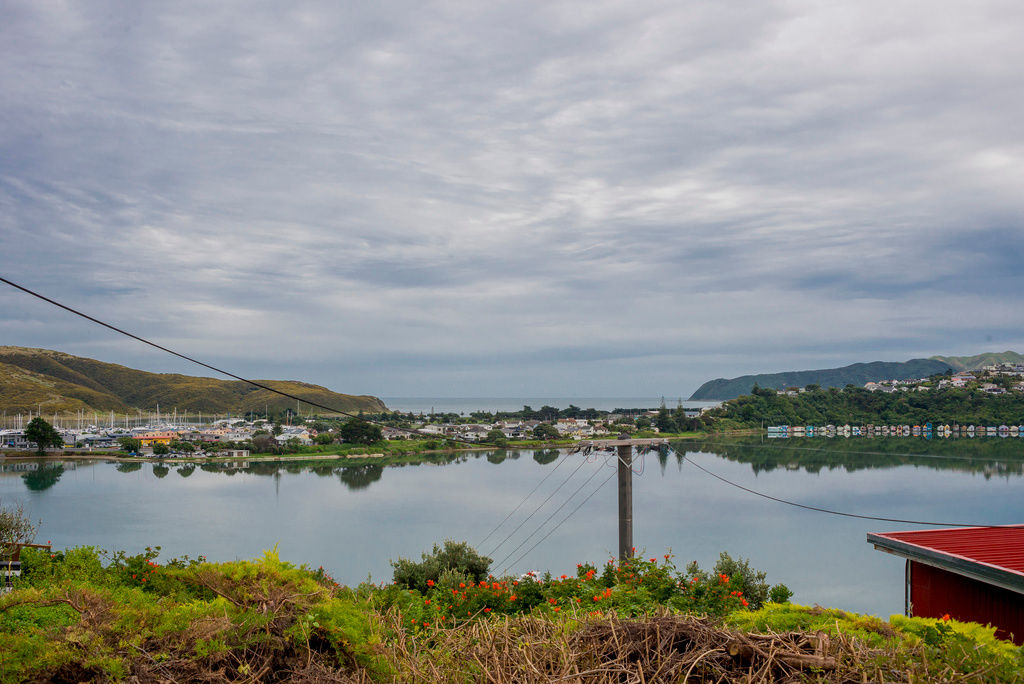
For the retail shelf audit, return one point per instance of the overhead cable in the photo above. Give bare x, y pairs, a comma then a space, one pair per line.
827, 510
525, 499
540, 506
254, 383
555, 512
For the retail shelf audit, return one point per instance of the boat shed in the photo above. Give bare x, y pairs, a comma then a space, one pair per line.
972, 574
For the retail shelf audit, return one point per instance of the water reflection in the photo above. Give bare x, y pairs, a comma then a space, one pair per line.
999, 458
360, 477
43, 477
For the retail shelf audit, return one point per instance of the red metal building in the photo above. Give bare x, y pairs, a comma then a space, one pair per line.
972, 574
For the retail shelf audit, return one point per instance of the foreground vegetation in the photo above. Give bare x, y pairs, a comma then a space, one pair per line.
83, 615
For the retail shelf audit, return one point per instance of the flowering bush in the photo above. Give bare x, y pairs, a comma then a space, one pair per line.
633, 587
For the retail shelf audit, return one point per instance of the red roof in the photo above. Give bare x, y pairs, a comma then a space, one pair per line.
994, 554
1002, 547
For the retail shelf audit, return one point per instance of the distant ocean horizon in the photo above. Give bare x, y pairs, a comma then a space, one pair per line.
466, 405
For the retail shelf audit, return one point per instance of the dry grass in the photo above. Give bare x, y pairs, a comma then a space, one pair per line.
664, 648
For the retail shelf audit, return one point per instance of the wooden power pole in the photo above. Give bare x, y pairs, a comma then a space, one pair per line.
624, 452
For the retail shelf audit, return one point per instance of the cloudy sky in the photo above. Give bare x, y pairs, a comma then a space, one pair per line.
505, 199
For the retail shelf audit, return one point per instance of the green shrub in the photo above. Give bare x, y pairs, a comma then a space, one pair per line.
454, 556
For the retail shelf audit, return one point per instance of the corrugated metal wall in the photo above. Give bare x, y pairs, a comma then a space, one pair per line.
935, 592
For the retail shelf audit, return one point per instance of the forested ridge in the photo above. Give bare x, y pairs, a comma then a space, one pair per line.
856, 405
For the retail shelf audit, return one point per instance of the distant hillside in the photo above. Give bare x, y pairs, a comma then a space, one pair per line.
31, 379
857, 374
987, 359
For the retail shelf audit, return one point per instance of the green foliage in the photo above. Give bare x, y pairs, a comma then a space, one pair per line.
545, 431
936, 646
43, 434
634, 587
751, 582
161, 449
361, 432
858, 406
15, 528
129, 444
496, 437
454, 556
212, 621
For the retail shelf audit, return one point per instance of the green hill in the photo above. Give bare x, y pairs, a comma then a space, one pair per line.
34, 379
857, 374
979, 360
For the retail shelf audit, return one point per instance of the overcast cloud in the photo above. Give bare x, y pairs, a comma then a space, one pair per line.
502, 199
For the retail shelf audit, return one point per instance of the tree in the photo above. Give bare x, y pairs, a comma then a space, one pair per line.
324, 438
43, 434
15, 528
161, 449
361, 432
496, 437
129, 444
545, 431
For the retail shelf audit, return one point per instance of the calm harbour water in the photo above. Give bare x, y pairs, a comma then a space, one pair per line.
352, 521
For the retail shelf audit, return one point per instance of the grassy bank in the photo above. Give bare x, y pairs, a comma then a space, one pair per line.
77, 616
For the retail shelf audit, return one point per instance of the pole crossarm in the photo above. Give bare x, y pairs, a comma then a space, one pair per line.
624, 449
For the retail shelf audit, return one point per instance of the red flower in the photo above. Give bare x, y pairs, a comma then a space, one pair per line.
653, 560
557, 609
552, 601
462, 585
430, 583
487, 610
745, 604
945, 618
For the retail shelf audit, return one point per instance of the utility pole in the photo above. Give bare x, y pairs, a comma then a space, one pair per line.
623, 448
625, 453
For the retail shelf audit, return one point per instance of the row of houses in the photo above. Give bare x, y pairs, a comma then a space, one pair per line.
570, 428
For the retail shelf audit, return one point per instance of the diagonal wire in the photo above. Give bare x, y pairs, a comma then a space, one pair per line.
571, 513
542, 504
219, 370
553, 513
827, 510
525, 499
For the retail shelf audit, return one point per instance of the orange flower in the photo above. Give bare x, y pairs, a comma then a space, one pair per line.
427, 602
487, 610
552, 601
745, 604
945, 618
462, 585
430, 583
557, 609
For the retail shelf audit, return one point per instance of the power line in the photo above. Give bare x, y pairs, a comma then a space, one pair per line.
214, 368
571, 513
827, 510
548, 519
525, 499
542, 504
